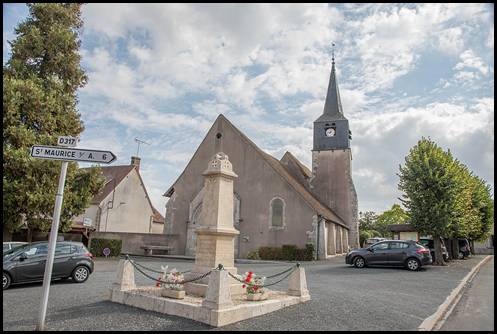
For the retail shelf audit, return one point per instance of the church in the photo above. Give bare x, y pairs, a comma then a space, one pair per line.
276, 202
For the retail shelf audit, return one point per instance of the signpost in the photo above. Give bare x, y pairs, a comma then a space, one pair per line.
87, 222
106, 252
64, 154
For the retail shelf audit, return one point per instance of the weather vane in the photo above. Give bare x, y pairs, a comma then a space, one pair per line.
139, 142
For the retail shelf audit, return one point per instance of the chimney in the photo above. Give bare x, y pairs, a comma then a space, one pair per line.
135, 161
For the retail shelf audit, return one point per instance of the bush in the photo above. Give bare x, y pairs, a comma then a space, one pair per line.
253, 255
288, 253
97, 246
270, 253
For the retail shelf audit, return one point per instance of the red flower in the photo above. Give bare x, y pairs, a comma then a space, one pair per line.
243, 286
248, 279
250, 274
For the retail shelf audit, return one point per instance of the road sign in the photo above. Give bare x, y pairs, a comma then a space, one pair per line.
87, 222
72, 154
67, 141
106, 251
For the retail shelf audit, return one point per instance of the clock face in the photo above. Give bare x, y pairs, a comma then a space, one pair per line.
330, 132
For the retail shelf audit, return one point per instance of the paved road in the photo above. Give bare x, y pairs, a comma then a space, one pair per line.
343, 298
475, 310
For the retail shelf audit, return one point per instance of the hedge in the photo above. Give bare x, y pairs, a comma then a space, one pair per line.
97, 246
287, 253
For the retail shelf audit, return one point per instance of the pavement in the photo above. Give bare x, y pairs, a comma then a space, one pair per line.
342, 298
475, 309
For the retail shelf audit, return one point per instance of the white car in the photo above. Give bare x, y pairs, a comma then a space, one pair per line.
12, 244
372, 241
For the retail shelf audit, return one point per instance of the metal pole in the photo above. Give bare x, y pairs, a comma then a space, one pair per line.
51, 246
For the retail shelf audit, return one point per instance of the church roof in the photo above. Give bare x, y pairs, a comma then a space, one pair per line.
306, 172
333, 105
280, 169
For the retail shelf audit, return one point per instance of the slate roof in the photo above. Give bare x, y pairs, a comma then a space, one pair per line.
113, 176
333, 104
306, 172
280, 169
401, 228
158, 218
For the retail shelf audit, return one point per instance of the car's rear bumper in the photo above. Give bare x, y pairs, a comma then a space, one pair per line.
426, 261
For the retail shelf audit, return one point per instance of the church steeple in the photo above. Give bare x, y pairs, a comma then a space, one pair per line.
331, 129
333, 104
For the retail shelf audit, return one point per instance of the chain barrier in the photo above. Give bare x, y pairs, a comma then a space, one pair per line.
153, 270
166, 282
289, 270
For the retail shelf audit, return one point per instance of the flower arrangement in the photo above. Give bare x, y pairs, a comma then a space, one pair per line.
254, 283
171, 280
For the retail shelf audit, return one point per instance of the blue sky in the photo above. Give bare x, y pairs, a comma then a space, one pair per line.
163, 72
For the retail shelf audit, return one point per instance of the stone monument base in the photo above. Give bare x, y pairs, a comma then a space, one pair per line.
199, 289
148, 298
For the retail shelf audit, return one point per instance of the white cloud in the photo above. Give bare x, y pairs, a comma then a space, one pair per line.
471, 61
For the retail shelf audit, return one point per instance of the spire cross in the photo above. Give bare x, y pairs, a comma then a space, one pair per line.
333, 53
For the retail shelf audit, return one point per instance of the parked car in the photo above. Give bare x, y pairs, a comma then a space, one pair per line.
8, 245
27, 263
464, 248
406, 253
430, 244
372, 241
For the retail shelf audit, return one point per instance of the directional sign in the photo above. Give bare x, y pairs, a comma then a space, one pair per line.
67, 141
71, 154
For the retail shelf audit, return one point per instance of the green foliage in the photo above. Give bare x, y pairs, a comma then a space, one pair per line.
40, 82
253, 255
442, 197
97, 246
287, 253
396, 215
270, 253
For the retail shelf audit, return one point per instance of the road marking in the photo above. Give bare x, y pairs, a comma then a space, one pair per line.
436, 320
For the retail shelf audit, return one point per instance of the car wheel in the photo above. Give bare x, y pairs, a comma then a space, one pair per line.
80, 274
359, 262
6, 281
413, 264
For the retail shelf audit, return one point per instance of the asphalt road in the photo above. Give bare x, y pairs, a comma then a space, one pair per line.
475, 310
342, 298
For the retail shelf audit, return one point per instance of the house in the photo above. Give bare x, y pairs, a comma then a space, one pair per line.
403, 232
123, 205
276, 202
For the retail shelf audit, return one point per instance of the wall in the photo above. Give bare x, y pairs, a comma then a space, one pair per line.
133, 241
134, 215
332, 183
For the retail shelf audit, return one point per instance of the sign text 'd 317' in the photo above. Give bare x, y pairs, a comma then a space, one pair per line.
72, 154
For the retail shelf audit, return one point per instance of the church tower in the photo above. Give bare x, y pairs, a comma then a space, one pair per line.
331, 178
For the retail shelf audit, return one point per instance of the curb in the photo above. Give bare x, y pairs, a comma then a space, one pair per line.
436, 320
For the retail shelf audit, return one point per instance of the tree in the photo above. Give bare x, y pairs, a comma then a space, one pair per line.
443, 198
396, 215
367, 225
430, 191
40, 82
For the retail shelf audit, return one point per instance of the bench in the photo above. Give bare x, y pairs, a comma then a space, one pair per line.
149, 248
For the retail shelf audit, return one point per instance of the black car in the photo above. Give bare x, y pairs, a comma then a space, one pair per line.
464, 248
406, 253
429, 243
27, 263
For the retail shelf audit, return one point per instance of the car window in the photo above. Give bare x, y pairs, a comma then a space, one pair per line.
398, 245
380, 246
5, 247
63, 249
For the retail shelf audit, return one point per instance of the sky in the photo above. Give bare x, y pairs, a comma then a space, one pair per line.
162, 73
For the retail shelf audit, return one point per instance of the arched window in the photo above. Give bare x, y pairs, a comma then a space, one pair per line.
277, 212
